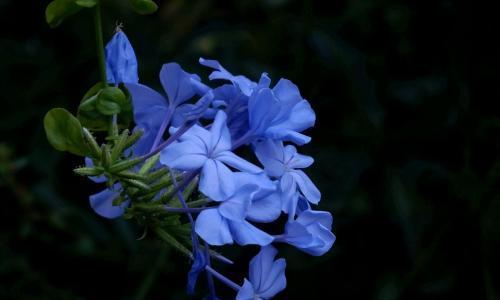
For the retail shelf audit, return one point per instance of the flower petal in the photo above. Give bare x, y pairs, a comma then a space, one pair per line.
102, 203
177, 84
216, 181
306, 186
121, 63
271, 154
275, 281
246, 292
213, 228
221, 138
235, 208
184, 156
267, 275
265, 209
245, 233
237, 162
150, 108
245, 84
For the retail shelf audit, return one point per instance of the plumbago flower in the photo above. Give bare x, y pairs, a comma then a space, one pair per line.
185, 160
267, 276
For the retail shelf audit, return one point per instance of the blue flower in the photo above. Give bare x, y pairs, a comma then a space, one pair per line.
227, 222
121, 63
210, 152
152, 112
284, 163
267, 276
310, 232
280, 113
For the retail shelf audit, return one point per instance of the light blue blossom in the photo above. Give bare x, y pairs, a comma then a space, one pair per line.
153, 112
227, 222
121, 63
284, 163
280, 113
310, 232
266, 276
209, 152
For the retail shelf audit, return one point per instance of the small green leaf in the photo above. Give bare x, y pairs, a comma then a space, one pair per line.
110, 101
58, 10
89, 171
144, 7
64, 132
95, 107
87, 3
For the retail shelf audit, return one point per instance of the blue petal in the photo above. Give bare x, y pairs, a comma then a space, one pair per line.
265, 209
184, 156
102, 203
177, 84
196, 268
300, 117
297, 234
213, 228
289, 194
235, 208
318, 226
263, 107
191, 112
299, 161
246, 292
237, 162
245, 84
121, 63
275, 281
150, 108
245, 233
216, 180
267, 276
144, 144
306, 186
220, 139
270, 154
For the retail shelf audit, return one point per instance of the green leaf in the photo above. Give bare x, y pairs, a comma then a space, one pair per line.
64, 132
110, 101
58, 10
87, 3
90, 114
144, 7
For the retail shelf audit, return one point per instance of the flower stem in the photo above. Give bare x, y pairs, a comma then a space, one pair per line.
100, 44
163, 127
210, 279
223, 278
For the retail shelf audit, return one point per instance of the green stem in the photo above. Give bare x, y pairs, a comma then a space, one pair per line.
100, 43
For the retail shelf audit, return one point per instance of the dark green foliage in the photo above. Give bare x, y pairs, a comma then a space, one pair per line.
406, 145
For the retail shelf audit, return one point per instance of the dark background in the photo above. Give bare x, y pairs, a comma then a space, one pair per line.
406, 145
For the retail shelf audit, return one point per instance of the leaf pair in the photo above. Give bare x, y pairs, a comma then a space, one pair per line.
100, 102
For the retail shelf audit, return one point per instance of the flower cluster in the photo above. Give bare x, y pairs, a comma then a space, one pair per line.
194, 132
